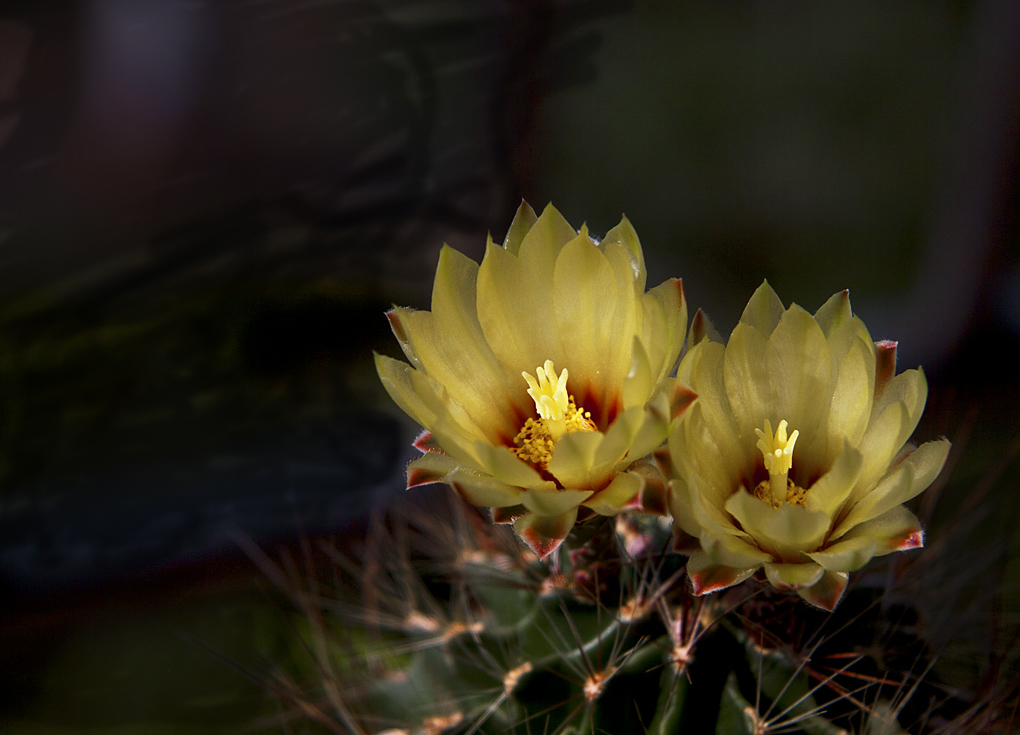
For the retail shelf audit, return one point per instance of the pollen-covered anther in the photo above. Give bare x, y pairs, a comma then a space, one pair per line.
777, 455
558, 414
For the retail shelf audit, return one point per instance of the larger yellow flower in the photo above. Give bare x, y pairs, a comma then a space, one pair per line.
541, 375
795, 457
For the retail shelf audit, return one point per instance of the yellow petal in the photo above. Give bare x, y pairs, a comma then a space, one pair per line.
542, 244
702, 328
614, 497
544, 534
763, 310
513, 311
573, 460
524, 220
681, 508
584, 302
827, 591
394, 316
834, 312
624, 237
895, 530
793, 576
799, 366
785, 531
553, 502
917, 471
846, 555
880, 444
395, 376
832, 489
507, 467
750, 390
734, 552
665, 325
851, 396
429, 468
619, 438
708, 576
483, 490
638, 383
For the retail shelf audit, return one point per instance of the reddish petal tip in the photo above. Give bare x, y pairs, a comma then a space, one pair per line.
541, 545
417, 476
681, 399
427, 443
913, 540
713, 579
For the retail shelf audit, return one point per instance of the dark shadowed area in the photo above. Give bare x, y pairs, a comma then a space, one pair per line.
206, 207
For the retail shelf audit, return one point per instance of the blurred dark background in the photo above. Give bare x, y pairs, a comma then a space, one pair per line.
205, 207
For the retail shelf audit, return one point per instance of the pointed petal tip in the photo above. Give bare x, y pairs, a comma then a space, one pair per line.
912, 540
681, 400
827, 592
541, 545
426, 442
398, 328
714, 578
418, 476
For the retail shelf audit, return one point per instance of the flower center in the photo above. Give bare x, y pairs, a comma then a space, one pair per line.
777, 453
558, 415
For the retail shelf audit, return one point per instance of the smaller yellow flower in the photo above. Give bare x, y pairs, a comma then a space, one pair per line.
818, 496
541, 376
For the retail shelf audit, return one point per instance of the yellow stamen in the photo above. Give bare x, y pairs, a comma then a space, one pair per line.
558, 415
777, 453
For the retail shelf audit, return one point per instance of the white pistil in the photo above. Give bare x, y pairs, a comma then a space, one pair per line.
551, 399
777, 453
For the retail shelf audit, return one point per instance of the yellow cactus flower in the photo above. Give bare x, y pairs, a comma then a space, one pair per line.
819, 496
541, 376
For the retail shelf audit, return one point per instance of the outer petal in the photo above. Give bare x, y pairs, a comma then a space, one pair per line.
793, 576
639, 380
834, 312
912, 476
542, 244
429, 468
544, 534
507, 467
665, 325
851, 396
624, 237
827, 591
846, 555
707, 576
553, 502
396, 379
614, 497
895, 530
483, 490
524, 220
734, 552
764, 310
